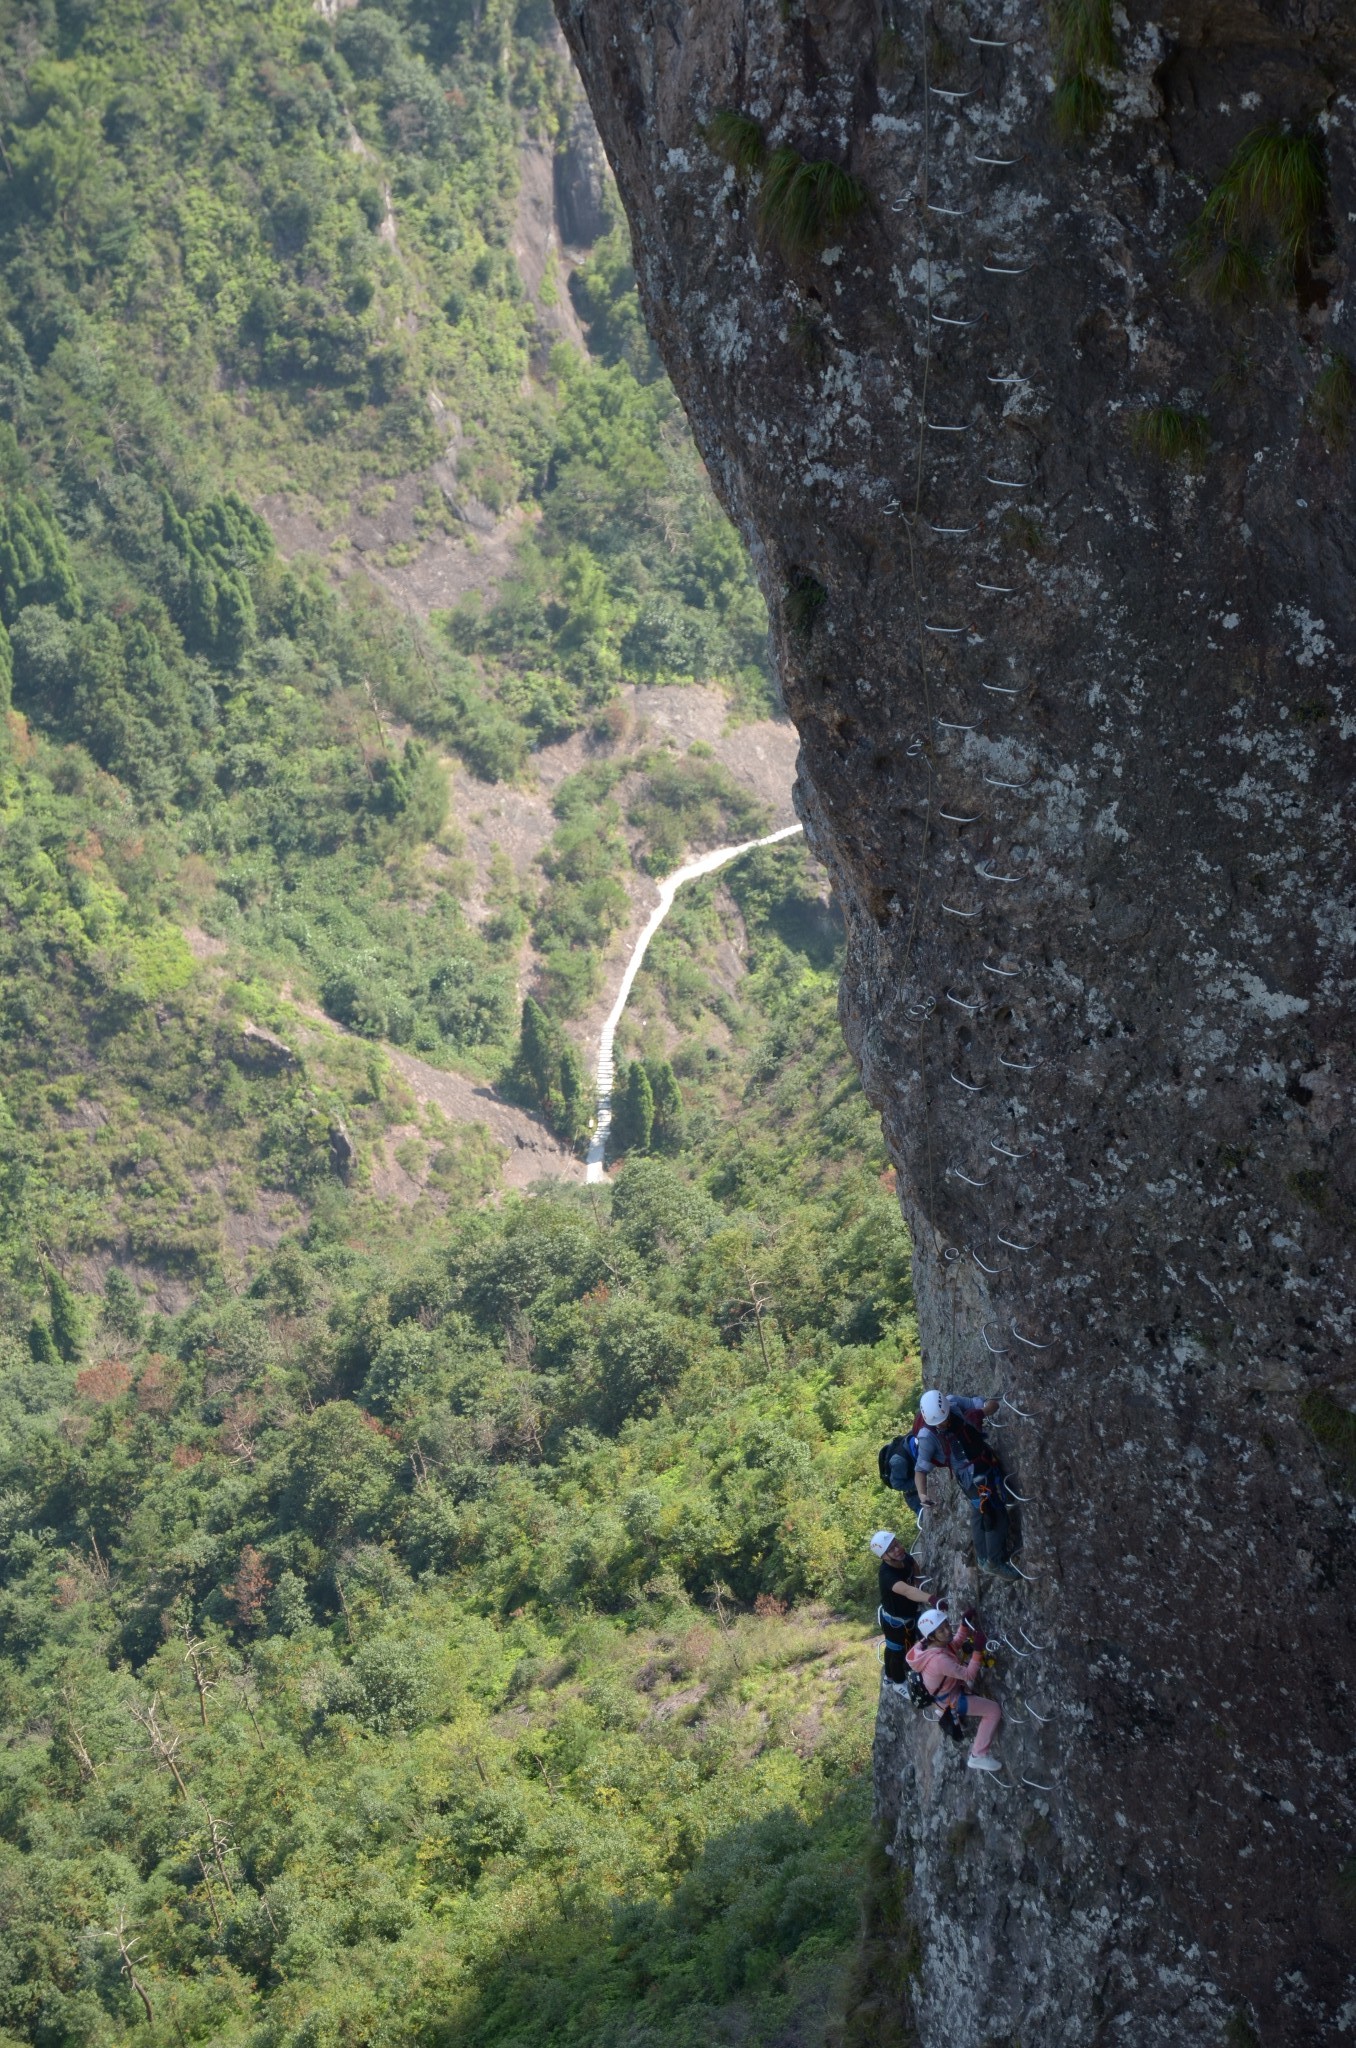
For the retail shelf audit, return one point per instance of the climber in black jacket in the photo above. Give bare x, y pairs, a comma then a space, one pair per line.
902, 1600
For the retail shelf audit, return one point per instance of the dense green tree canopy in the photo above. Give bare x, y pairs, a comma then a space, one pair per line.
432, 1616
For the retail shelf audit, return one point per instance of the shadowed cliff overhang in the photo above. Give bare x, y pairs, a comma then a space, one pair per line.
1020, 346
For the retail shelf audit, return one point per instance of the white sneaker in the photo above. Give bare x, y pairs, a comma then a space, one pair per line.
982, 1763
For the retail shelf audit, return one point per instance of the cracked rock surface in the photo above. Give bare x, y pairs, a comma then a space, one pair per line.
1077, 724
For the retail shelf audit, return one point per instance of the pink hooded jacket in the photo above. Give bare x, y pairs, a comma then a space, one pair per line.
942, 1674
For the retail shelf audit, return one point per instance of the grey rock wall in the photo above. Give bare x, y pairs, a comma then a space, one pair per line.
581, 182
1081, 771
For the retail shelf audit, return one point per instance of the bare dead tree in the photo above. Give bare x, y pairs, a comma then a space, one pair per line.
760, 1302
205, 1684
126, 1954
219, 1838
237, 1431
88, 1768
101, 1570
371, 696
164, 1743
541, 1766
207, 1887
718, 1594
243, 1681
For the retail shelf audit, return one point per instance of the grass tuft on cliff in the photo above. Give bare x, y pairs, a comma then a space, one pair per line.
1083, 36
805, 600
1258, 223
1084, 44
738, 139
1171, 435
801, 204
891, 53
1080, 105
1332, 401
1333, 1428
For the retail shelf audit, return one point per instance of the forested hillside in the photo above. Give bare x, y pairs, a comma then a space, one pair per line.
446, 1641
425, 1615
203, 297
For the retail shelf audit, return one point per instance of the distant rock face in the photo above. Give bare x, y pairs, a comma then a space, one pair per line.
581, 182
343, 1151
261, 1047
1077, 724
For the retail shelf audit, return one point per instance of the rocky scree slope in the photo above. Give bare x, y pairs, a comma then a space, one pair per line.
1060, 549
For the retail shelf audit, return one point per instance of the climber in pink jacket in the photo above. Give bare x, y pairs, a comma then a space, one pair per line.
949, 1682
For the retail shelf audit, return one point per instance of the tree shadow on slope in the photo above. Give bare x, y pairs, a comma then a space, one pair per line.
786, 1933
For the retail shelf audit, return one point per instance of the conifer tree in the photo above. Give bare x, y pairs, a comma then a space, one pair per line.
551, 1073
637, 1110
574, 1092
236, 622
41, 1343
35, 563
537, 1051
68, 1321
201, 625
668, 1100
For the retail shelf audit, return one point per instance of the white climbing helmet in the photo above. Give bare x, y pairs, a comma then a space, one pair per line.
931, 1621
933, 1409
881, 1542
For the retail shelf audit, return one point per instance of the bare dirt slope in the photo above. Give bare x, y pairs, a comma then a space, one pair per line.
533, 1153
518, 821
420, 564
444, 567
760, 755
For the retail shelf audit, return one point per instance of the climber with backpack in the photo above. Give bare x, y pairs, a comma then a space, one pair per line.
950, 1433
933, 1659
901, 1601
895, 1462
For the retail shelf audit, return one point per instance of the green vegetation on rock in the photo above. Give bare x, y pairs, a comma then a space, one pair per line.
737, 138
1170, 434
1258, 223
1332, 401
801, 204
1084, 41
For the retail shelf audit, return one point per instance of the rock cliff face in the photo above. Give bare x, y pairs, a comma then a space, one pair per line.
1077, 725
581, 183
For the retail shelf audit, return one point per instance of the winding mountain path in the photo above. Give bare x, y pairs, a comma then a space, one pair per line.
705, 864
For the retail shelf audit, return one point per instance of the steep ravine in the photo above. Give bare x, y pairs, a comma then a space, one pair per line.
1080, 770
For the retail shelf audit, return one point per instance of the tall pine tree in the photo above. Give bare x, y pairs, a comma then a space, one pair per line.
668, 1102
550, 1073
68, 1321
633, 1118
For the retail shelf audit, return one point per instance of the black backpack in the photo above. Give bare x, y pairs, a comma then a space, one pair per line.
924, 1702
919, 1696
922, 1699
907, 1446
